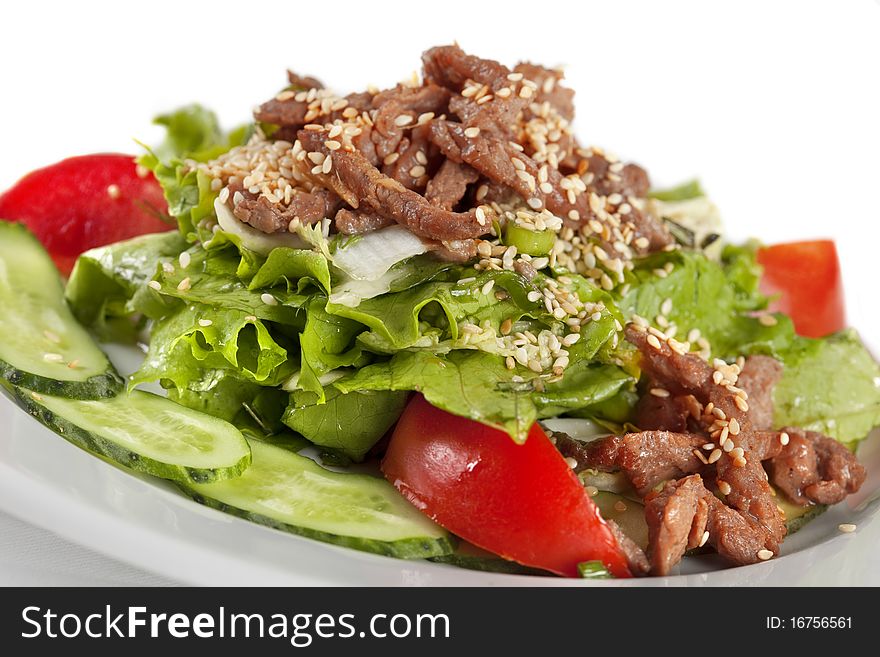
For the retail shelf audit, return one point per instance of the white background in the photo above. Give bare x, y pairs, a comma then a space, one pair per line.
774, 105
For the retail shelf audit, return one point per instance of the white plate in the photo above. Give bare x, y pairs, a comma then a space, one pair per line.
148, 523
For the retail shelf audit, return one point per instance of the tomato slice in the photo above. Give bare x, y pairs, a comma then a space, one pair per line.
807, 277
87, 201
522, 502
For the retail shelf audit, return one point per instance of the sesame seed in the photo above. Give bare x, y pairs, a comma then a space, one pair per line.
155, 285
268, 299
465, 281
737, 452
846, 528
535, 203
425, 117
391, 159
763, 555
654, 342
506, 325
402, 120
741, 404
332, 144
205, 322
535, 365
723, 487
488, 287
480, 215
739, 462
704, 539
534, 296
784, 438
666, 307
571, 339
53, 358
768, 320
717, 412
709, 447
714, 456
417, 171
39, 397
571, 462
73, 364
327, 165
113, 191
472, 132
733, 425
660, 392
184, 259
700, 456
184, 284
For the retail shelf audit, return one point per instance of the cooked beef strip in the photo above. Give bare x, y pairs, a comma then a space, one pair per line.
759, 376
262, 214
292, 114
647, 458
815, 468
303, 82
670, 413
560, 98
631, 180
403, 101
414, 153
451, 67
689, 374
494, 157
456, 250
676, 518
357, 222
635, 557
358, 182
450, 184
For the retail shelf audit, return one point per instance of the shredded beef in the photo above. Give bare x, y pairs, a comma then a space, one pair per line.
759, 376
749, 492
815, 468
357, 222
303, 82
450, 184
648, 458
407, 102
676, 517
358, 182
308, 207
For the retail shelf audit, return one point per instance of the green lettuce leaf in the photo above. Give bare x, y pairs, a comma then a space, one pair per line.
716, 298
348, 423
105, 281
213, 281
477, 385
187, 346
830, 385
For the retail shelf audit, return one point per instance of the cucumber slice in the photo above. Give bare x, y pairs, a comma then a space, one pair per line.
629, 515
294, 494
798, 516
43, 347
147, 433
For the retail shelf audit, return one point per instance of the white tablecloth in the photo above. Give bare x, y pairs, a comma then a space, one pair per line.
31, 556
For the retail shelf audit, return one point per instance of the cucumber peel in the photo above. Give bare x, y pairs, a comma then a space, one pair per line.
145, 432
44, 349
292, 493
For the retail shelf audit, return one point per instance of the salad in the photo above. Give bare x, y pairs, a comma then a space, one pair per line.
429, 323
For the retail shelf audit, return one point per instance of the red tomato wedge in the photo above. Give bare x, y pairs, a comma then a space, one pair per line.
87, 201
807, 276
522, 502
